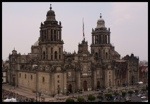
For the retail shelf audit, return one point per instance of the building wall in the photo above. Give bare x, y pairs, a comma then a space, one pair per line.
27, 82
43, 82
4, 76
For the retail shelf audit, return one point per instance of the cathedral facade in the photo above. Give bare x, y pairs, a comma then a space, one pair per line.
50, 70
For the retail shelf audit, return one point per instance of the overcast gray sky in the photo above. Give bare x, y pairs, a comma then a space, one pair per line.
128, 23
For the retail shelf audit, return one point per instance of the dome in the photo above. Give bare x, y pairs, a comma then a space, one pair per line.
100, 22
36, 43
101, 19
50, 16
50, 12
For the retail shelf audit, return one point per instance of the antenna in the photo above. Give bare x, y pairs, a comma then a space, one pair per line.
83, 30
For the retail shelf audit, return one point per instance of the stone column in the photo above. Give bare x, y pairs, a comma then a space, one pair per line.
98, 39
101, 38
95, 81
78, 80
64, 82
109, 39
92, 39
60, 34
56, 35
53, 35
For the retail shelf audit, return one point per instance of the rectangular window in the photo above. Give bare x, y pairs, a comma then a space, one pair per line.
58, 81
57, 76
25, 76
31, 77
59, 50
59, 56
43, 80
19, 74
51, 57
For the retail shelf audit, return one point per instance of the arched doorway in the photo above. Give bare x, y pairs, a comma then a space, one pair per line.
132, 80
13, 83
85, 85
70, 88
98, 85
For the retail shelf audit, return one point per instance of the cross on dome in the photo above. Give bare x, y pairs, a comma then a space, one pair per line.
50, 6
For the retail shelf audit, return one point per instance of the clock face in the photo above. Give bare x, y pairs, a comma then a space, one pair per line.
58, 68
69, 74
84, 68
84, 54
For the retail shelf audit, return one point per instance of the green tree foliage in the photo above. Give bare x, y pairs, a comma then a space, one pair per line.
130, 92
116, 93
69, 100
123, 94
100, 97
91, 98
136, 91
80, 99
108, 96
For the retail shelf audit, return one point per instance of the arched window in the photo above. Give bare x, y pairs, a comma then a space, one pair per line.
44, 55
59, 50
51, 50
99, 53
51, 37
54, 37
43, 80
56, 55
96, 54
106, 55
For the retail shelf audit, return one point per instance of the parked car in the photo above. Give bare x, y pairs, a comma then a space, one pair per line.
128, 99
139, 95
145, 101
143, 97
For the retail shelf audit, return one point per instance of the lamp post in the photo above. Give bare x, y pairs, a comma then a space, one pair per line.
36, 96
39, 95
65, 90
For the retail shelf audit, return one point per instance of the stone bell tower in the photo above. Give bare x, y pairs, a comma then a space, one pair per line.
50, 41
100, 46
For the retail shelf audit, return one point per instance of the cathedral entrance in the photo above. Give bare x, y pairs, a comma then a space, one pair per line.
98, 85
132, 80
13, 83
85, 85
70, 88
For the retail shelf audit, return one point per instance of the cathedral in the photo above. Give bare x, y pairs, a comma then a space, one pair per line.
50, 70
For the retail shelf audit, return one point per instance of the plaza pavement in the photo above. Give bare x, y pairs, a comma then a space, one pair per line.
30, 94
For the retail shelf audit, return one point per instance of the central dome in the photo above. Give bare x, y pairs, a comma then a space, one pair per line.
100, 22
50, 12
50, 15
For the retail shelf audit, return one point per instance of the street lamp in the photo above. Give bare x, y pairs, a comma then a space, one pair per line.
65, 90
36, 96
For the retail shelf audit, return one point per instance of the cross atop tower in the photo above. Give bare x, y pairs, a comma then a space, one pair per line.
50, 6
100, 15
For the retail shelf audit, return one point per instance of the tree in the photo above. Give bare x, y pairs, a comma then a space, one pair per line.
143, 89
130, 92
146, 87
91, 98
136, 91
123, 94
80, 99
108, 96
100, 97
116, 93
69, 100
